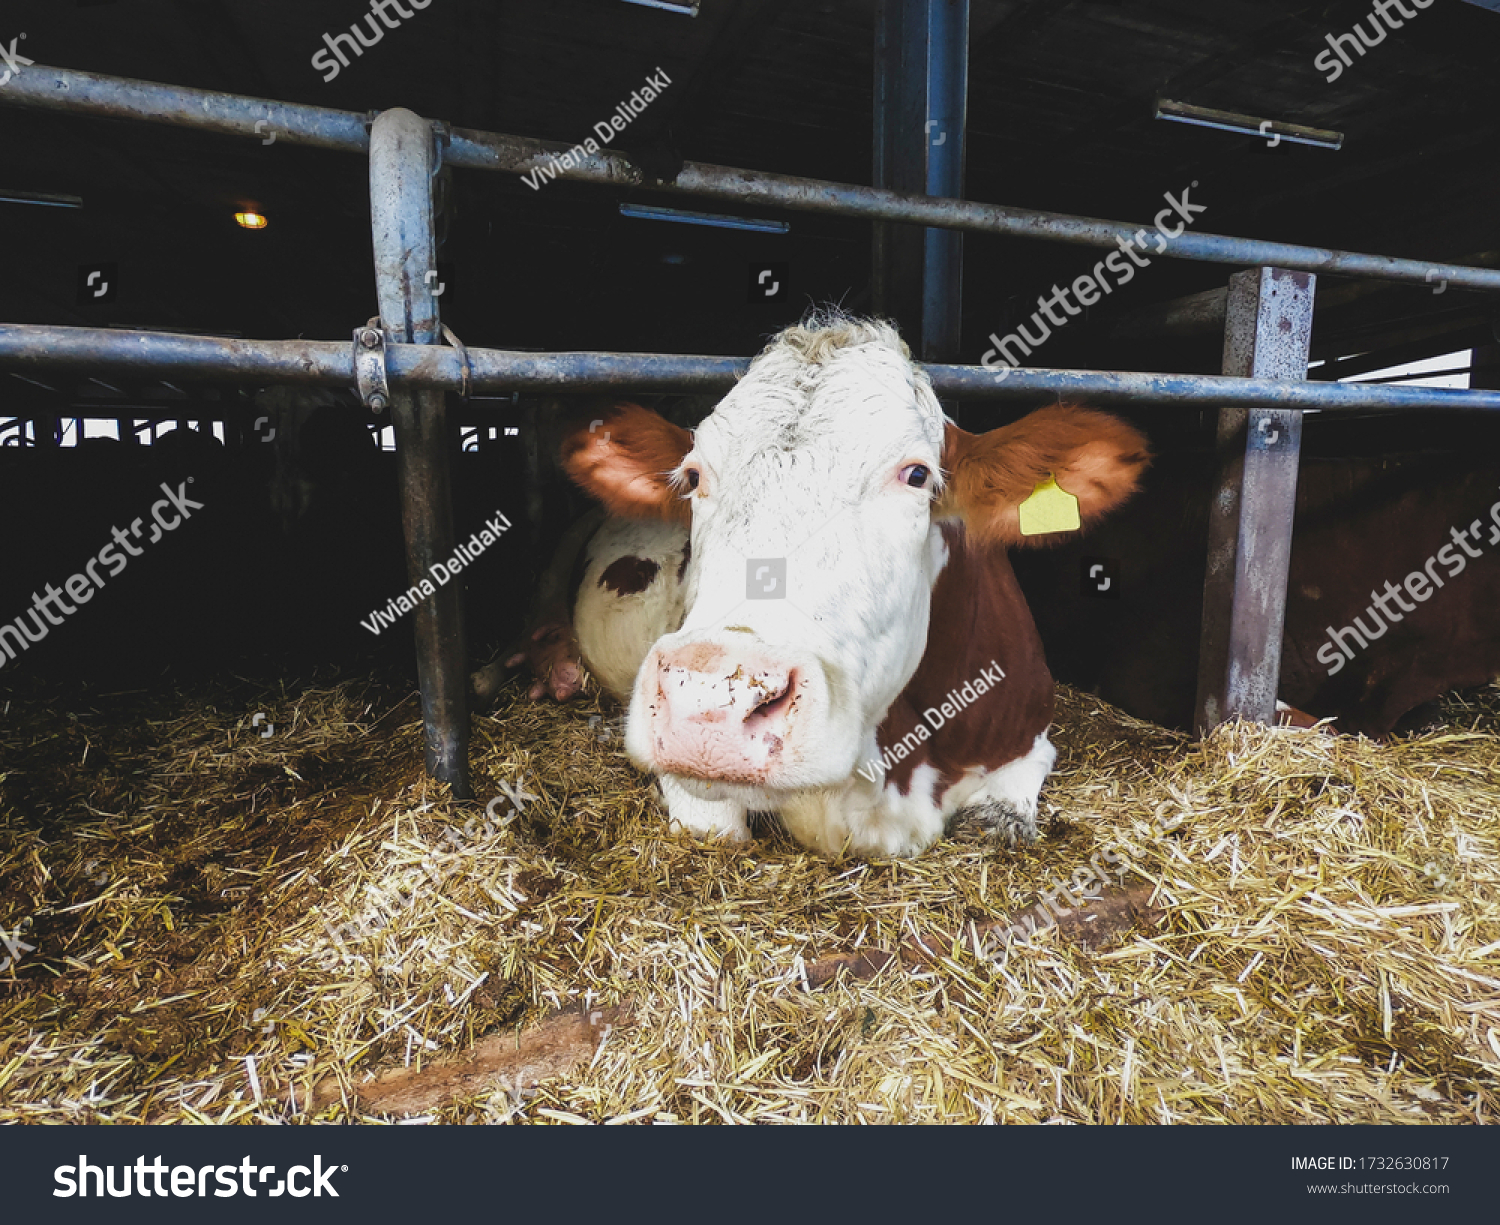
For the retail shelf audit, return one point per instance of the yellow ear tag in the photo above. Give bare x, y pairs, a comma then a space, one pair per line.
1050, 508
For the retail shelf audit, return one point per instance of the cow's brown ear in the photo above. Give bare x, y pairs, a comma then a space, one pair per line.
1095, 457
625, 458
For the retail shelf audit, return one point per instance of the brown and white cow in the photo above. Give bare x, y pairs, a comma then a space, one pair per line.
807, 602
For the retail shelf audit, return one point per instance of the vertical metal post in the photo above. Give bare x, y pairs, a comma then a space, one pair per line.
536, 474
404, 161
237, 420
44, 430
40, 407
921, 93
1485, 361
1266, 335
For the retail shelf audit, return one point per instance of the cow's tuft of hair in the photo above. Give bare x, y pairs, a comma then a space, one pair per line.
824, 333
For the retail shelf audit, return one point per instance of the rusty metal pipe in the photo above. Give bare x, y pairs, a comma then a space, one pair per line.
228, 114
403, 160
26, 347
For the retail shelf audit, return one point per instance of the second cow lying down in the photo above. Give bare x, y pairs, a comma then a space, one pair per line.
807, 604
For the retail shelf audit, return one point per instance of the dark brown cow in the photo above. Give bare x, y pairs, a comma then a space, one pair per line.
1393, 597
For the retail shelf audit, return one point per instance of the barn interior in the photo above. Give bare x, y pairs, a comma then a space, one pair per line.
154, 835
1061, 115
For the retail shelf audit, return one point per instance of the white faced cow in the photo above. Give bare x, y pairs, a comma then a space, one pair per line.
807, 602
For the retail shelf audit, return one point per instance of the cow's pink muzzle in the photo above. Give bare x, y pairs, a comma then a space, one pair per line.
718, 714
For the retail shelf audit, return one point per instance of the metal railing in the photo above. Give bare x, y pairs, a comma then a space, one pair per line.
439, 368
230, 115
405, 151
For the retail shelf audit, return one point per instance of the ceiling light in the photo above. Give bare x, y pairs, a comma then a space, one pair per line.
1248, 125
46, 199
688, 8
252, 221
649, 212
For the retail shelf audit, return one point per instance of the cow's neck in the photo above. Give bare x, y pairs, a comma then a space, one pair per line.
979, 624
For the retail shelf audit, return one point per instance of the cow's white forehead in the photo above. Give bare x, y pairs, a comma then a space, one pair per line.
849, 387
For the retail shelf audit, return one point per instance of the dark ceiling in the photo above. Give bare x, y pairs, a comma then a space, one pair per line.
1060, 117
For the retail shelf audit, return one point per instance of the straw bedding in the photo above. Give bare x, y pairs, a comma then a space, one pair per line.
212, 924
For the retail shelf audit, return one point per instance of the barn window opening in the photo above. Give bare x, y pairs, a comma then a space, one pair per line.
1446, 370
471, 438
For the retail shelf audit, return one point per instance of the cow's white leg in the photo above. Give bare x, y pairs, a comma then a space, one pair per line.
714, 820
868, 821
1006, 801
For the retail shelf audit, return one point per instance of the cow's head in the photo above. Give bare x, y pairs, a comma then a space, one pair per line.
814, 492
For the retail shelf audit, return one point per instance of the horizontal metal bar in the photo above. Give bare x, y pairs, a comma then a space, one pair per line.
1120, 388
90, 93
31, 347
519, 156
115, 97
502, 370
115, 350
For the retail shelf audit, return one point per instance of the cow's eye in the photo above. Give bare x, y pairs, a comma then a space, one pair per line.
915, 475
691, 477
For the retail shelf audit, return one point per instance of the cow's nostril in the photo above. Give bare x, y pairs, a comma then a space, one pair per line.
775, 700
